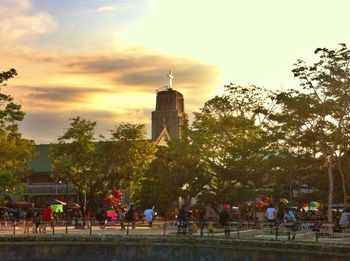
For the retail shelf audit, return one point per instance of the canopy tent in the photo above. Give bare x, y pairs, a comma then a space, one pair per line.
55, 202
57, 208
284, 201
20, 204
260, 204
72, 205
112, 215
313, 205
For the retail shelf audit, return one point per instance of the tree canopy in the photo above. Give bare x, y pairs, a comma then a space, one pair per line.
15, 151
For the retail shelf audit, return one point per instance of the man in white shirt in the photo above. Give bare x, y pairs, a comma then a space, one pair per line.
149, 215
271, 213
271, 216
344, 221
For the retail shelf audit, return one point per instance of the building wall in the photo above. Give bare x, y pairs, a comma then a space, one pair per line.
169, 113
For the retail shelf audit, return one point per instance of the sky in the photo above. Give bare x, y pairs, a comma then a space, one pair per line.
105, 59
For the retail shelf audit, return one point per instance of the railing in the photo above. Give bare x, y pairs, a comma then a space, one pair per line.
243, 229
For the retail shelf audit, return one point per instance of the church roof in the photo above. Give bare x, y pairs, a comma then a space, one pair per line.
41, 162
163, 137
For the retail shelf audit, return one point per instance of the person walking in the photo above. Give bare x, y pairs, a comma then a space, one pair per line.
149, 216
291, 222
130, 215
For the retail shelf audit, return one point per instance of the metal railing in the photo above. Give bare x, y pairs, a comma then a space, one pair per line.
242, 229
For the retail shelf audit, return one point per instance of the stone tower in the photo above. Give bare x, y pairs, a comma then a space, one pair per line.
170, 112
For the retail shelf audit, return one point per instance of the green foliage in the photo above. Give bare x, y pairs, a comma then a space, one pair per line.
15, 151
73, 158
126, 157
316, 121
96, 168
231, 137
222, 158
175, 172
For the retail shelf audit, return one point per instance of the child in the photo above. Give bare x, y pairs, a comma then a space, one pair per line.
194, 228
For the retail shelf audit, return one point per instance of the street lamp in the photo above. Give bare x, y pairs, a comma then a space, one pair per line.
67, 191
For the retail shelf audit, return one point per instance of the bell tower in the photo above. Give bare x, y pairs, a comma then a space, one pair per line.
170, 112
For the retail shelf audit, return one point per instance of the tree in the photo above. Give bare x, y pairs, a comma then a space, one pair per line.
124, 158
15, 151
73, 158
230, 135
321, 112
97, 168
175, 172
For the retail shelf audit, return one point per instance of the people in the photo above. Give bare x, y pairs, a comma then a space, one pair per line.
182, 220
210, 227
46, 217
37, 222
130, 215
149, 216
201, 219
224, 218
271, 216
121, 216
344, 220
291, 223
27, 221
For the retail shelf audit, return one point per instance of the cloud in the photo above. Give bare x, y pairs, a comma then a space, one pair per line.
107, 8
56, 98
61, 94
19, 19
148, 71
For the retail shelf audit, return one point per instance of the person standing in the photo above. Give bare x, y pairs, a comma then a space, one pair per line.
224, 218
149, 215
46, 217
130, 215
201, 220
182, 220
344, 220
271, 216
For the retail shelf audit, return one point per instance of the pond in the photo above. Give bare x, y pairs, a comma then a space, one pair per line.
170, 250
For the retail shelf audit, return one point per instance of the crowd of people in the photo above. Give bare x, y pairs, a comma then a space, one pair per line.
189, 220
290, 217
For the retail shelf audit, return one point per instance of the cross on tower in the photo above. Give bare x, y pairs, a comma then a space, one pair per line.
171, 77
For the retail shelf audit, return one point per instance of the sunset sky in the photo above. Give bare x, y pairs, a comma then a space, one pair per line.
105, 59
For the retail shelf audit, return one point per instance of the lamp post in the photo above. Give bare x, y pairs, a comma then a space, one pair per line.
67, 192
59, 182
84, 197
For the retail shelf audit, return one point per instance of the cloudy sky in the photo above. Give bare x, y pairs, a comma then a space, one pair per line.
105, 59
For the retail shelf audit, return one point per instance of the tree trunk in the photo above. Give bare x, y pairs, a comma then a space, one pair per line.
343, 181
330, 191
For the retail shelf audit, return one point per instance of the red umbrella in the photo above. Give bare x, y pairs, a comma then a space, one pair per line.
260, 204
226, 206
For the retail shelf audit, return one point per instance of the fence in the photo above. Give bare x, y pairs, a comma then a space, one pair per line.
243, 229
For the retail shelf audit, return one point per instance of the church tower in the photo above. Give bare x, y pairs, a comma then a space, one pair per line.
170, 113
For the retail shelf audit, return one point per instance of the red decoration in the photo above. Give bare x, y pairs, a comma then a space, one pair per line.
112, 200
